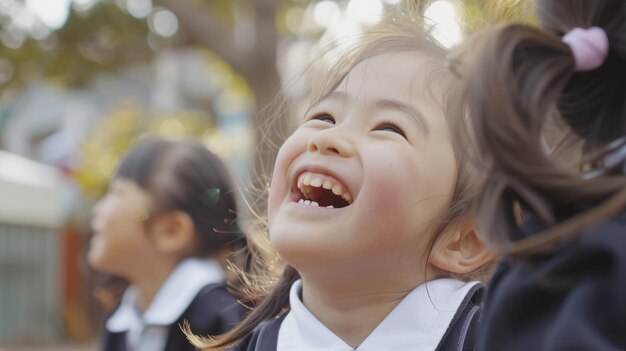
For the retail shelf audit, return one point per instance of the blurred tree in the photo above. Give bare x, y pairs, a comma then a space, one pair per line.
244, 34
100, 39
107, 36
124, 126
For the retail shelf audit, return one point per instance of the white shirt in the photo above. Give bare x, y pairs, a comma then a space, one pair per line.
417, 323
148, 332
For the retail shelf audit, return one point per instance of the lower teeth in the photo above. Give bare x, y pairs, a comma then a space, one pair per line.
308, 203
312, 203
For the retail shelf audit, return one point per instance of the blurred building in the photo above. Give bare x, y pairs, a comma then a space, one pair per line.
30, 251
46, 294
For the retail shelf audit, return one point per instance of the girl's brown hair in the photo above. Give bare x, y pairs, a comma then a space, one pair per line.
521, 80
392, 35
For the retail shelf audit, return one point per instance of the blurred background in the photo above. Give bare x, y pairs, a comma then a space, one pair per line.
82, 80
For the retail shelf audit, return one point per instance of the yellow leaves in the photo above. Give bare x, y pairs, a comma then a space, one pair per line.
118, 131
125, 125
235, 93
172, 128
477, 14
228, 145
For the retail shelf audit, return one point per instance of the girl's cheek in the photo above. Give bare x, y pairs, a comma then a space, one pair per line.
293, 147
279, 182
288, 152
104, 210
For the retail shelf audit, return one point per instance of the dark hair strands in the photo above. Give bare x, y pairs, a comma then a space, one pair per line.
523, 78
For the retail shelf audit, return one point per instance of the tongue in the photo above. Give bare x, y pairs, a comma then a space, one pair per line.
326, 197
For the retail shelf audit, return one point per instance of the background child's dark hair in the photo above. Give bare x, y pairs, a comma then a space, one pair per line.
401, 35
524, 78
182, 175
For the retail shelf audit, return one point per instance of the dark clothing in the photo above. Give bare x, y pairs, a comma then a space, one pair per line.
213, 311
263, 338
573, 299
459, 336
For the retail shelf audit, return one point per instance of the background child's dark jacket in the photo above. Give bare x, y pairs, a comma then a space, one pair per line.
574, 299
213, 311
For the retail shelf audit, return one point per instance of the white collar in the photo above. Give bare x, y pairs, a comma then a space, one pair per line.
418, 322
172, 299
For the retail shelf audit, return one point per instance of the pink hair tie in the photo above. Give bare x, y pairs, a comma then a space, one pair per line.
590, 47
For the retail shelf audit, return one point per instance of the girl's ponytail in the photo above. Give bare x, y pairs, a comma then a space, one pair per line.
523, 78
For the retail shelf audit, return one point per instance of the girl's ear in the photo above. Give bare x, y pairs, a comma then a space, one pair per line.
173, 232
460, 250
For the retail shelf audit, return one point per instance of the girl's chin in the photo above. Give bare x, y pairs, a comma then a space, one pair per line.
310, 258
93, 259
96, 260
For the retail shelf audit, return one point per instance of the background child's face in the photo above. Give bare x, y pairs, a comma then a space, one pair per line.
381, 141
119, 229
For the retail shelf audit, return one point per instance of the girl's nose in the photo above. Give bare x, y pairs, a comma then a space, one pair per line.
329, 142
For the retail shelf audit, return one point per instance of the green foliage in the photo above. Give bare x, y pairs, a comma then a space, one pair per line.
100, 40
122, 128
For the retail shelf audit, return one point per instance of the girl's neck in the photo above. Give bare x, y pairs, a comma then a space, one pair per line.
150, 281
351, 314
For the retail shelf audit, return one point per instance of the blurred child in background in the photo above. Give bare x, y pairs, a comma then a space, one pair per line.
166, 225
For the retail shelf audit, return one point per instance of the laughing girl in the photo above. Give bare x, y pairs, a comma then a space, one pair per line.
368, 209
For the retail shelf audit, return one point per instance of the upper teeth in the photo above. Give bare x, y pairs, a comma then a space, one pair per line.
320, 181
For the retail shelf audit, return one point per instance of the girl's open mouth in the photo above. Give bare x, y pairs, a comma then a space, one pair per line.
319, 190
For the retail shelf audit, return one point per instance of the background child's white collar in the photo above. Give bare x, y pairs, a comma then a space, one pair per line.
172, 299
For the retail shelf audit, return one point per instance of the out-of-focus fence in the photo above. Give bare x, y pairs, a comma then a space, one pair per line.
30, 257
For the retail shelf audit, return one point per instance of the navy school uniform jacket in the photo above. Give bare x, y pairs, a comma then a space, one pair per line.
460, 335
573, 299
213, 311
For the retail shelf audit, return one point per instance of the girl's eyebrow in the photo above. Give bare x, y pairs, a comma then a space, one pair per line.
333, 95
389, 104
407, 109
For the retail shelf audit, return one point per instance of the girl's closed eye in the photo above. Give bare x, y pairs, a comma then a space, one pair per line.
390, 127
324, 117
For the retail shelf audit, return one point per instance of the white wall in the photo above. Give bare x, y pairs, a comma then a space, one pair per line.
29, 192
